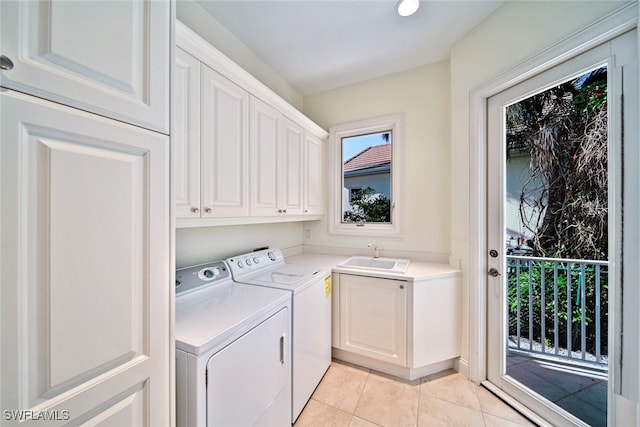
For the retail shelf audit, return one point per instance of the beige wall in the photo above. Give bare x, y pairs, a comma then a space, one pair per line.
195, 17
203, 244
516, 31
422, 94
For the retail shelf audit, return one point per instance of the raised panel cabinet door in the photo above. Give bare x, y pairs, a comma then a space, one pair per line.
186, 136
292, 160
314, 182
108, 57
265, 165
373, 319
85, 301
224, 147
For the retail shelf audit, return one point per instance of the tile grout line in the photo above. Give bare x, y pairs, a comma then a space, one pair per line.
419, 401
353, 413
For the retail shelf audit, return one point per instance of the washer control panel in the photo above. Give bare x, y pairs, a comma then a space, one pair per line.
189, 278
254, 261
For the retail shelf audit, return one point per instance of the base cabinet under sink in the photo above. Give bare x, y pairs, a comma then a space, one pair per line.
411, 326
373, 319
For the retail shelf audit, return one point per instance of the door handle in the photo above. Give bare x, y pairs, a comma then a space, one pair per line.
5, 63
282, 349
493, 272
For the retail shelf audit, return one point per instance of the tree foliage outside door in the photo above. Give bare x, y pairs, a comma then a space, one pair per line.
563, 204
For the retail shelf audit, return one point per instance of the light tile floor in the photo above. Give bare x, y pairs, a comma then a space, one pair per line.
353, 396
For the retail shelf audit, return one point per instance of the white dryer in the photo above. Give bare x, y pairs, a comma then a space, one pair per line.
311, 319
233, 362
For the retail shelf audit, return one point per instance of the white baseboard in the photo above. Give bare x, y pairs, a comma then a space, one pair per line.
462, 366
405, 373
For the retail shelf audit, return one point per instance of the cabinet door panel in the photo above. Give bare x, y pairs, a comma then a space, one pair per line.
186, 136
224, 147
314, 176
265, 163
107, 57
85, 238
373, 317
292, 160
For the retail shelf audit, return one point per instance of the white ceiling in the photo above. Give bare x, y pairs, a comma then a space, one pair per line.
317, 45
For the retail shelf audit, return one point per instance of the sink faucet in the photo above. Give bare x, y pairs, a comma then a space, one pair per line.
374, 248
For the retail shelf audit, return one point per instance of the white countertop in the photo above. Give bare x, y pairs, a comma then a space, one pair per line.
415, 271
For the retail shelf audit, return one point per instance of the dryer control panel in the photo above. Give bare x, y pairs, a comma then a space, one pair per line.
189, 278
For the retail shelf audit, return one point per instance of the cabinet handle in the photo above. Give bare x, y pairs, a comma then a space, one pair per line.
284, 211
195, 210
207, 210
279, 210
282, 349
5, 63
401, 286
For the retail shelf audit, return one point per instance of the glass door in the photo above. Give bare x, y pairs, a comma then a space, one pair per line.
550, 184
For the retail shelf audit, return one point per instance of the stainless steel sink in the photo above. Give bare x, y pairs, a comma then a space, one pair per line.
371, 263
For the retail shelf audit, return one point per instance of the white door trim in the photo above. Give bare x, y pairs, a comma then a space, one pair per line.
609, 27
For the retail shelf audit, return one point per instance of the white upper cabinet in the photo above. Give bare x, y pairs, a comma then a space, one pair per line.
314, 182
186, 136
292, 155
224, 147
211, 143
276, 147
266, 165
107, 57
242, 154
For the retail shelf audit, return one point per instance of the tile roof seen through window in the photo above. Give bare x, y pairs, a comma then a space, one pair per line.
371, 157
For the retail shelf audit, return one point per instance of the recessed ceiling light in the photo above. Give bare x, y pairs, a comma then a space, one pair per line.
407, 7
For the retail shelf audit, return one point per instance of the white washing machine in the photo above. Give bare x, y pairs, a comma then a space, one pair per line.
311, 318
233, 359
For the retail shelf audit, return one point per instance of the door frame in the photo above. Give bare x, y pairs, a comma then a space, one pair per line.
602, 31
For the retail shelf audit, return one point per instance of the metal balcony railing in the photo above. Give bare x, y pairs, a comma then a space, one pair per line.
558, 307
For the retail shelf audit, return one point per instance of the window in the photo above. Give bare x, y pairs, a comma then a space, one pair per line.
353, 194
365, 186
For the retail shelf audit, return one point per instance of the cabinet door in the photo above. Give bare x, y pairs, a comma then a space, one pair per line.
224, 119
373, 320
266, 167
186, 136
291, 151
85, 267
107, 57
313, 175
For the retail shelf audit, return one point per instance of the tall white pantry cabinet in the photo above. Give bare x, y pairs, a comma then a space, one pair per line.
85, 293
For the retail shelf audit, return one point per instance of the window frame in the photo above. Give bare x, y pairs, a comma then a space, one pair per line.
393, 123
